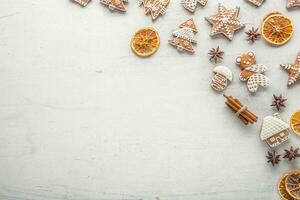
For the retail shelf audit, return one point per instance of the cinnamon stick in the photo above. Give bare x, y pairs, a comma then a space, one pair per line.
253, 116
240, 117
236, 105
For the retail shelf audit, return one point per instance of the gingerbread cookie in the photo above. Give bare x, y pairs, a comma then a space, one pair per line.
225, 22
115, 4
154, 7
191, 5
252, 72
293, 3
256, 2
293, 70
274, 130
82, 2
220, 80
183, 38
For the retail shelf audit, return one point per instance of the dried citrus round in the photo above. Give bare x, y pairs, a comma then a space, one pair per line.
145, 42
282, 190
295, 122
292, 184
277, 29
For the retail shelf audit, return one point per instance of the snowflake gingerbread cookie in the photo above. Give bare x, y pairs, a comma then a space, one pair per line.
191, 5
183, 38
82, 2
115, 4
293, 3
252, 72
225, 22
293, 70
256, 2
154, 7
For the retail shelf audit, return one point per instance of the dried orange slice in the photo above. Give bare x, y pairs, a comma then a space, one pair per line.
282, 190
295, 122
145, 42
292, 184
277, 29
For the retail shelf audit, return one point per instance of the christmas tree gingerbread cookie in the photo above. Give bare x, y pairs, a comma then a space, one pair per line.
191, 5
183, 38
252, 73
256, 2
82, 2
115, 4
154, 7
293, 3
225, 22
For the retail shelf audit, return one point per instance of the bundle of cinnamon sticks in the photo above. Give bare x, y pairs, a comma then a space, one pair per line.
240, 110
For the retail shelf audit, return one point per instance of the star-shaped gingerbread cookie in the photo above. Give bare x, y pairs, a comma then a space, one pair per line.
293, 70
293, 3
225, 22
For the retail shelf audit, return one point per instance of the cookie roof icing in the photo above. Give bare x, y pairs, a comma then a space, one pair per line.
272, 125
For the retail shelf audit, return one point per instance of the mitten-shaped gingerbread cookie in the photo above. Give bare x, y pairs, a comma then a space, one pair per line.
252, 72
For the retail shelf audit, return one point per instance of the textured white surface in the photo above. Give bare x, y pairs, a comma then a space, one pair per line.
83, 118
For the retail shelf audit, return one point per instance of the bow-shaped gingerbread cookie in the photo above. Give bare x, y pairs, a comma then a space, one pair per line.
252, 72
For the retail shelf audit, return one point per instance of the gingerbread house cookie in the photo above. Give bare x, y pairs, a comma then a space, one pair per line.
274, 131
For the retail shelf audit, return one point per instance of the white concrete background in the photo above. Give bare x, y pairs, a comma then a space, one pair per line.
83, 118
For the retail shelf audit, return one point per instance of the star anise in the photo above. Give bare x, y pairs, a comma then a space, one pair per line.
279, 102
273, 158
216, 54
253, 35
291, 154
